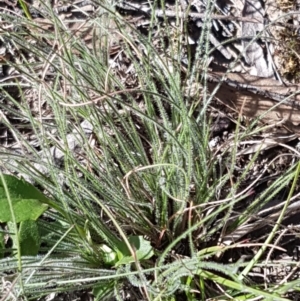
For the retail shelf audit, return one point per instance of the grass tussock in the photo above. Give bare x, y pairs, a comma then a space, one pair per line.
115, 131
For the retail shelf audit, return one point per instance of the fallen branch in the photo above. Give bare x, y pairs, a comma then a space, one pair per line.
257, 96
160, 13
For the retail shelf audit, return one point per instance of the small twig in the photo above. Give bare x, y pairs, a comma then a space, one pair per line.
287, 98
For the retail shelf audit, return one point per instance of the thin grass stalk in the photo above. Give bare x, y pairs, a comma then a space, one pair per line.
275, 228
266, 196
16, 234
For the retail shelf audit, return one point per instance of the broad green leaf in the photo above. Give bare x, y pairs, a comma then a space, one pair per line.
142, 247
28, 202
28, 235
24, 209
20, 189
29, 238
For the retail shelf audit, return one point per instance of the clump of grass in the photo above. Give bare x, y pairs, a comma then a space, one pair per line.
143, 202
